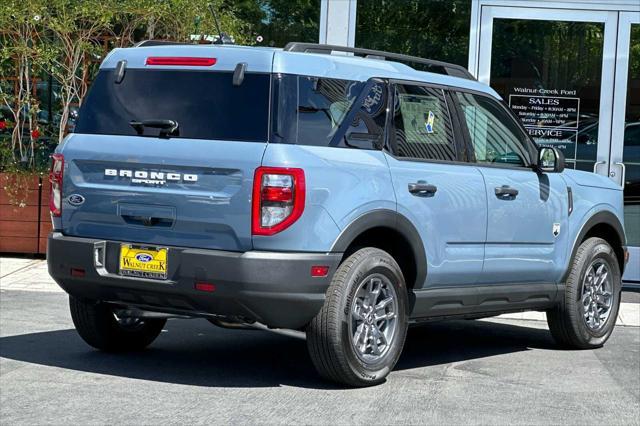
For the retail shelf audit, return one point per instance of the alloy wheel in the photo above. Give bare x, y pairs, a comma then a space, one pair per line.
373, 323
597, 294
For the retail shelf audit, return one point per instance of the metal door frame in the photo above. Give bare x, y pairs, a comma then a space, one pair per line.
620, 94
617, 168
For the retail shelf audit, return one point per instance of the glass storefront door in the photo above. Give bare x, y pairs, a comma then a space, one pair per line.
558, 69
550, 73
551, 67
625, 156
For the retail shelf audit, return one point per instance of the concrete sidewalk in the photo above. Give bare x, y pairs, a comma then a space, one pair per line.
31, 275
26, 274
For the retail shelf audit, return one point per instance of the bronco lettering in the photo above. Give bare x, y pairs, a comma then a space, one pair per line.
151, 178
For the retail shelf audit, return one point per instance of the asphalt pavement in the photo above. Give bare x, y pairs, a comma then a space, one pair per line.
500, 371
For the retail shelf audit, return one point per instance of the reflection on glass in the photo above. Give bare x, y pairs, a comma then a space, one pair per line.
631, 150
277, 22
433, 29
549, 72
496, 138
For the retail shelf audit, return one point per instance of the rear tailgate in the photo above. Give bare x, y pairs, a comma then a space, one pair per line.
192, 188
165, 192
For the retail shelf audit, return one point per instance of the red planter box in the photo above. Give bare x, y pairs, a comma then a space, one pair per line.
24, 229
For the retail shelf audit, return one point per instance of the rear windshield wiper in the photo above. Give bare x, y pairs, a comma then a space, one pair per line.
167, 127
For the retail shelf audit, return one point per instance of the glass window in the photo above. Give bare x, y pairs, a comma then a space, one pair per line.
205, 104
323, 104
550, 74
311, 111
495, 136
433, 29
277, 22
631, 148
366, 129
422, 127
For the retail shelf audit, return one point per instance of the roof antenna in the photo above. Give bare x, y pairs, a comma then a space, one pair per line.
222, 37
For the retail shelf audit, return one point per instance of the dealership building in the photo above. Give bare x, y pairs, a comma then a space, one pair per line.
569, 69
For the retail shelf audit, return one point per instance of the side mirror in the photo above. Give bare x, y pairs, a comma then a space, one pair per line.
550, 160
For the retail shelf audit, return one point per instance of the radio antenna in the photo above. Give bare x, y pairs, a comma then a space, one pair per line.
215, 18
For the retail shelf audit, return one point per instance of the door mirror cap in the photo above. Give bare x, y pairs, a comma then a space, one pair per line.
550, 160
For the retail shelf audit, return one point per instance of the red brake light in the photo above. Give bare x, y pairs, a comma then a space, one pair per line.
55, 178
180, 60
278, 199
277, 194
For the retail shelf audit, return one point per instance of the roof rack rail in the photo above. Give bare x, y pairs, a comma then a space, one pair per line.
435, 66
147, 43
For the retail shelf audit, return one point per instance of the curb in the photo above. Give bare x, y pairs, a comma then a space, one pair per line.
628, 315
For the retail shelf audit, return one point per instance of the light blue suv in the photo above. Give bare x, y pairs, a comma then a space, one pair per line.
323, 189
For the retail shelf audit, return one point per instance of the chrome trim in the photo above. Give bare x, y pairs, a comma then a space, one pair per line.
624, 172
595, 166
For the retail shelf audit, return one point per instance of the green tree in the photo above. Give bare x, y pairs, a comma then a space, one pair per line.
132, 17
20, 36
435, 29
188, 20
278, 22
74, 26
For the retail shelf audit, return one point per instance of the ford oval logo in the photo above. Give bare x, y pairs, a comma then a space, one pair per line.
144, 257
76, 199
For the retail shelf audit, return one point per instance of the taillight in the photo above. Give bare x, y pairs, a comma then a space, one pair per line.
278, 199
55, 178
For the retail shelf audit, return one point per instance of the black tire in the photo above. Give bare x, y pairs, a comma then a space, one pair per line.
329, 337
96, 324
567, 321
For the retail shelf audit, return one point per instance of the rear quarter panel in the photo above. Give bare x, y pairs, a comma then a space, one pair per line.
341, 184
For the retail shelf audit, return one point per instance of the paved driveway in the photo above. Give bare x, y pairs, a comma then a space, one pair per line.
505, 371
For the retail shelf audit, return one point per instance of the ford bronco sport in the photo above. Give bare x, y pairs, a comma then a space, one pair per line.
343, 195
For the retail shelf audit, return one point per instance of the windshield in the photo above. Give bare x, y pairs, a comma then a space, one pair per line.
205, 104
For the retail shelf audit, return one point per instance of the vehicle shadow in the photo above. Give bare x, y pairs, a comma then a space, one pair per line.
194, 352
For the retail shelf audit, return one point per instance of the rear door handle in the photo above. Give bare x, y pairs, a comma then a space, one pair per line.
422, 189
506, 192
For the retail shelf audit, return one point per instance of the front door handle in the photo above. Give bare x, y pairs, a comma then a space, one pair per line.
422, 189
506, 192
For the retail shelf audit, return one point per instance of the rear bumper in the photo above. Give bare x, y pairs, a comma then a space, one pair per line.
273, 288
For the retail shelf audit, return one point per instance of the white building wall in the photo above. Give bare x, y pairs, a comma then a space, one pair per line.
338, 22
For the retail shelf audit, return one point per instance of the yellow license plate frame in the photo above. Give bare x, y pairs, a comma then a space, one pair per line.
144, 261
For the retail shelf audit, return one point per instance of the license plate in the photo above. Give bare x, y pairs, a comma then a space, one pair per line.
143, 262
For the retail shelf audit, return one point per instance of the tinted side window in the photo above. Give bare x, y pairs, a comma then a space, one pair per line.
312, 110
366, 129
323, 103
422, 126
631, 136
495, 136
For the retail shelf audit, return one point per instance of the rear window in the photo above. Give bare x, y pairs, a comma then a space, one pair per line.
205, 104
